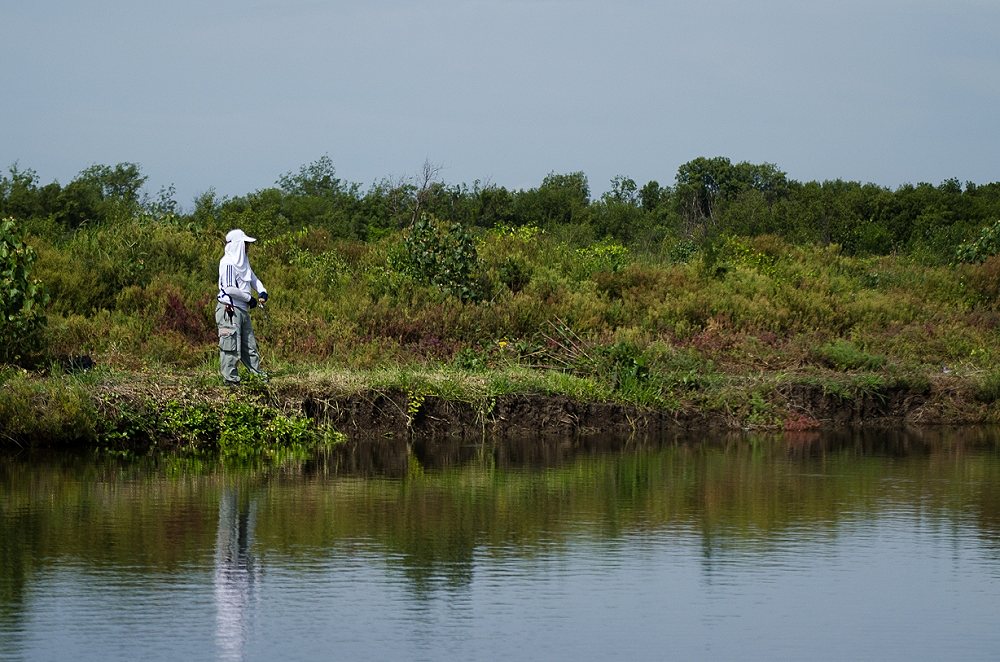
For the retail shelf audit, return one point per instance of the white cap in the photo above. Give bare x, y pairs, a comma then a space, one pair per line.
238, 235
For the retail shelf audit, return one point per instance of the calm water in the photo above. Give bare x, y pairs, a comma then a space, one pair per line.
880, 547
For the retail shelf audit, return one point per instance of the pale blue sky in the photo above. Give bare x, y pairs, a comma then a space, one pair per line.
230, 95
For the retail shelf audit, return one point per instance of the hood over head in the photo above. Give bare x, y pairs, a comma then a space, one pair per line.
236, 250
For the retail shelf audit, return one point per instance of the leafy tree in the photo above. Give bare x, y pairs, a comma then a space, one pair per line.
79, 202
700, 182
22, 298
100, 193
561, 199
494, 206
206, 213
121, 182
748, 214
316, 196
652, 195
318, 178
764, 178
983, 200
442, 254
19, 193
573, 187
982, 247
623, 190
260, 213
453, 202
164, 207
618, 214
706, 185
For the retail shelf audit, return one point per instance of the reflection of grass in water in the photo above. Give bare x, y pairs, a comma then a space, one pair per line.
743, 493
747, 492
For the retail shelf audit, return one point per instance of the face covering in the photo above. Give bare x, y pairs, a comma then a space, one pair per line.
236, 253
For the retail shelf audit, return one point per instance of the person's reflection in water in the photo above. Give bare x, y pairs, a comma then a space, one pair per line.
236, 572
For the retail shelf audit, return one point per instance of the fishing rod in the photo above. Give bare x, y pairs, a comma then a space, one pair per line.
263, 322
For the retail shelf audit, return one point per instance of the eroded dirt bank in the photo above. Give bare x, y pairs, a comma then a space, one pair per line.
796, 407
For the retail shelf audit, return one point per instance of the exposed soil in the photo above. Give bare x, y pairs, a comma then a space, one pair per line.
802, 407
507, 416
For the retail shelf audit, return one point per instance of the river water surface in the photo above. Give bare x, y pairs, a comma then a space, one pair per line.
881, 547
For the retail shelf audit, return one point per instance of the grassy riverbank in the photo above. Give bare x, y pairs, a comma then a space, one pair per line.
761, 335
435, 325
299, 410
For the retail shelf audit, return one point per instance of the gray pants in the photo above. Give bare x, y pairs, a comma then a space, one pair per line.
236, 343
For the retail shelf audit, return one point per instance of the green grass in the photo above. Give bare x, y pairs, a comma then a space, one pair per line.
602, 322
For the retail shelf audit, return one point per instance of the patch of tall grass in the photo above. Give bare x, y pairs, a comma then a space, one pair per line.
46, 410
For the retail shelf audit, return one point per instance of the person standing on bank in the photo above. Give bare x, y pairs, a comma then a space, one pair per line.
232, 314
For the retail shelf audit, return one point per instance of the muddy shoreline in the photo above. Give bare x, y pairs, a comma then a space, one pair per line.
803, 407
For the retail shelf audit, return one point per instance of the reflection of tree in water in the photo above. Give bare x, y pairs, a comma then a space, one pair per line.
987, 511
430, 565
740, 495
937, 474
18, 536
236, 572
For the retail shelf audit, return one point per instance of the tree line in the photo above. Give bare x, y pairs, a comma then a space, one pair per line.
709, 198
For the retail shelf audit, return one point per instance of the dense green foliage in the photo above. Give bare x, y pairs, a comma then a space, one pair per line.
22, 297
441, 254
710, 197
982, 247
651, 294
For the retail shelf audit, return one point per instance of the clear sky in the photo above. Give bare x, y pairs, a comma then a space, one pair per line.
230, 95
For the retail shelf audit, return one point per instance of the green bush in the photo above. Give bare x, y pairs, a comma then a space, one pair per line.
45, 410
22, 298
604, 255
444, 255
248, 430
984, 246
514, 273
987, 389
680, 251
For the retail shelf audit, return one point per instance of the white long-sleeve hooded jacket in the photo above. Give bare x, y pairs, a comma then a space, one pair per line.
235, 275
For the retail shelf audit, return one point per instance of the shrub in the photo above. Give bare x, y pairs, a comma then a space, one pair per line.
987, 389
514, 273
249, 431
444, 255
680, 251
845, 355
22, 298
985, 245
983, 280
604, 255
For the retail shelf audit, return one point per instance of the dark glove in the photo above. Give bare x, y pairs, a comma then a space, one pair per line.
252, 303
263, 297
